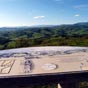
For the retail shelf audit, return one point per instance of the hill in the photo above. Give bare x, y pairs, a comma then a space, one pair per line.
78, 28
44, 35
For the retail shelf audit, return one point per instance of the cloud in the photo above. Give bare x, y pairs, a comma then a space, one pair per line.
81, 6
77, 15
39, 17
60, 1
8, 0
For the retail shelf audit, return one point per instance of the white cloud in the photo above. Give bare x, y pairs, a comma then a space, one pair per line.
81, 6
58, 0
77, 15
9, 0
39, 17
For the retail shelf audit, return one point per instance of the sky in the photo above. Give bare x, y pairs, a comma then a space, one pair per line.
42, 12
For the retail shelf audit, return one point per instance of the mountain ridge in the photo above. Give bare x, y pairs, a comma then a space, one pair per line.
39, 26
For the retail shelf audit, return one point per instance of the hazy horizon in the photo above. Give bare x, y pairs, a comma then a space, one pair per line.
42, 12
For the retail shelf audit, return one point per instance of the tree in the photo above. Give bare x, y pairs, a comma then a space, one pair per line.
1, 47
22, 42
11, 44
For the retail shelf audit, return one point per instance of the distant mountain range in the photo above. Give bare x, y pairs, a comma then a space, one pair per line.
79, 29
71, 34
81, 24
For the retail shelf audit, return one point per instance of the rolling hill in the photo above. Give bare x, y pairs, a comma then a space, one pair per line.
44, 35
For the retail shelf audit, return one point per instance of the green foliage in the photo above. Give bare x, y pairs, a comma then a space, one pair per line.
83, 84
11, 44
22, 42
1, 47
40, 86
64, 35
